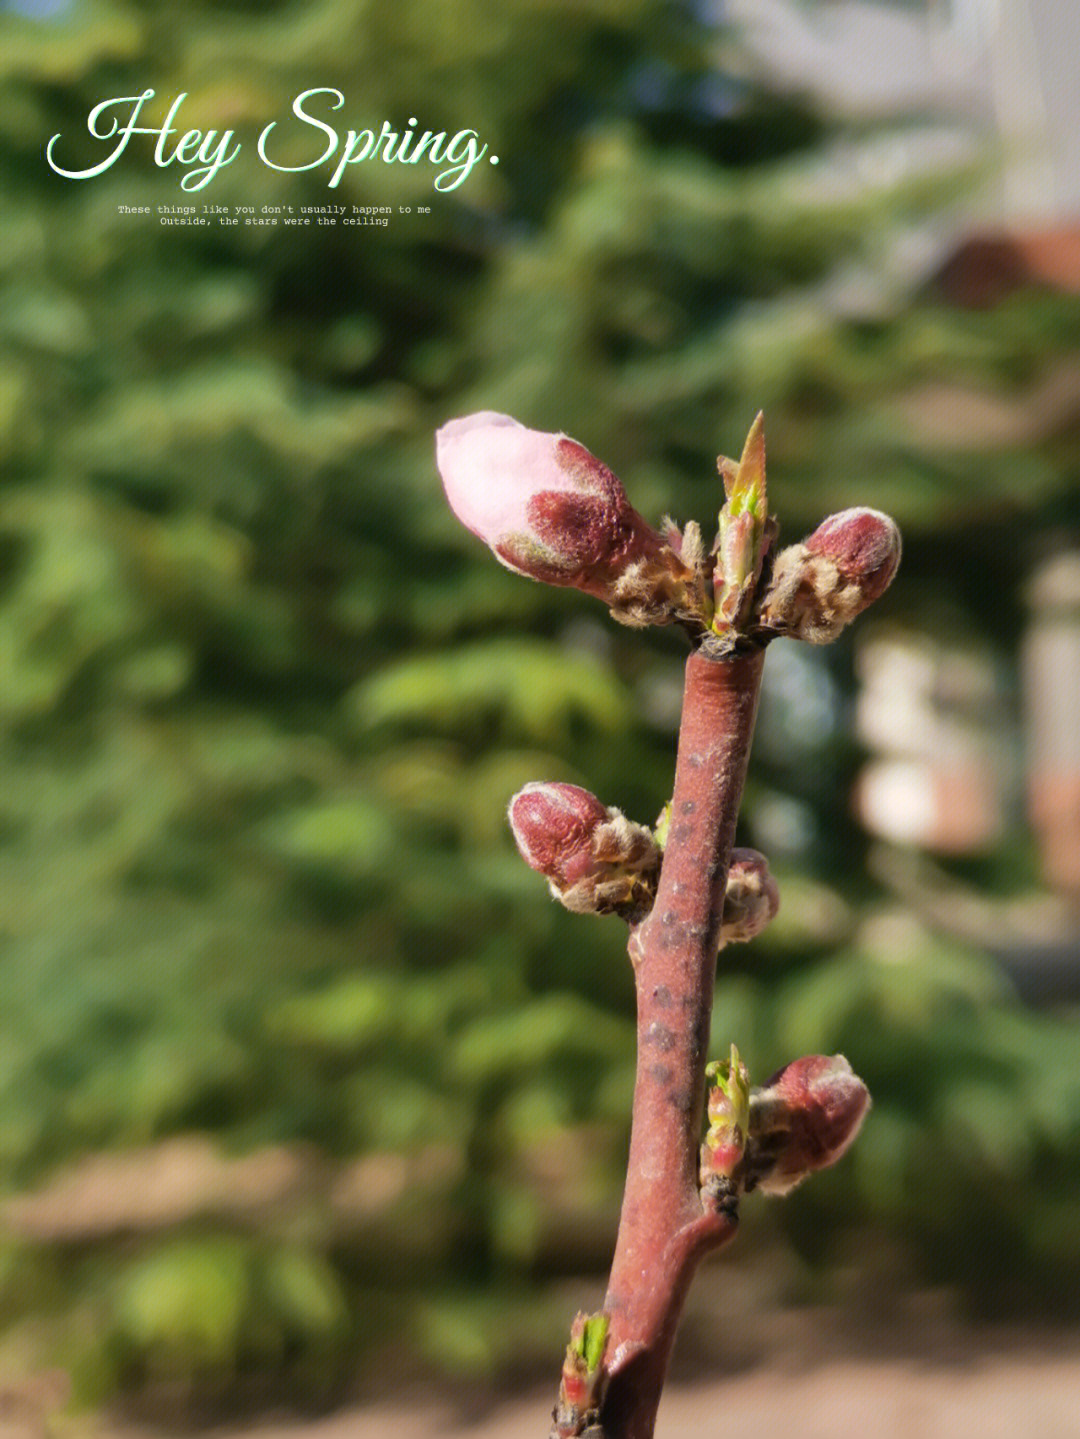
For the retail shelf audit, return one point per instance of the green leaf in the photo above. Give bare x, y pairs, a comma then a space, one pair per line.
189, 1295
516, 1042
348, 838
303, 1291
530, 687
344, 1017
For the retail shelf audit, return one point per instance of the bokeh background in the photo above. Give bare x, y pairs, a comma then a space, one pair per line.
306, 1087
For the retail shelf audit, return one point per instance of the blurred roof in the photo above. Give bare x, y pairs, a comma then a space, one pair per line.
987, 267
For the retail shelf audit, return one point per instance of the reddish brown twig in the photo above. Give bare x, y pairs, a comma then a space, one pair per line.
552, 511
663, 1231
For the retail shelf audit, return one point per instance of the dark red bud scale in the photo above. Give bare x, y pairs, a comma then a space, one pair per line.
863, 544
553, 825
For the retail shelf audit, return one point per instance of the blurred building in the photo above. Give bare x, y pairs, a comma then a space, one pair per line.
945, 743
950, 80
1005, 67
998, 77
935, 720
1051, 684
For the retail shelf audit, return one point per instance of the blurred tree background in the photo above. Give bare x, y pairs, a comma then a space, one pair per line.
301, 1071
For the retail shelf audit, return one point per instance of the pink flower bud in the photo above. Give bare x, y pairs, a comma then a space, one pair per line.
594, 859
545, 506
863, 544
802, 1120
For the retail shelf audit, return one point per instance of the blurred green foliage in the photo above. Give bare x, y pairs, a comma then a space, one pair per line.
263, 703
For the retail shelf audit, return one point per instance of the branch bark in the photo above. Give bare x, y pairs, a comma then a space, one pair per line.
663, 1231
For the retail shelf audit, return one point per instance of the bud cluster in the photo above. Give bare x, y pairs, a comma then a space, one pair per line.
550, 510
801, 1120
596, 861
772, 1136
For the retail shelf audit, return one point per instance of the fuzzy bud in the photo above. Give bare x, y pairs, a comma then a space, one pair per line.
550, 510
863, 544
595, 860
751, 898
820, 585
803, 1119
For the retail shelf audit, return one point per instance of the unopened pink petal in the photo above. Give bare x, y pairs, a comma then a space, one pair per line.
491, 467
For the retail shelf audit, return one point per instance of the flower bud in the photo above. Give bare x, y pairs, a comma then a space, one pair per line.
751, 898
821, 584
863, 544
803, 1119
546, 506
595, 860
550, 510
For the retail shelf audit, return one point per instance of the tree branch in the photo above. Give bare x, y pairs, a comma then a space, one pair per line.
663, 1231
551, 510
